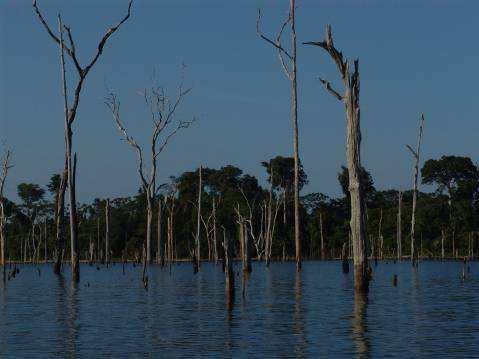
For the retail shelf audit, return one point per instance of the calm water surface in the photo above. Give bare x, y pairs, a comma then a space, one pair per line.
431, 313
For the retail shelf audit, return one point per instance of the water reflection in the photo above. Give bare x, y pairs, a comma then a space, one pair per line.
359, 325
67, 312
298, 317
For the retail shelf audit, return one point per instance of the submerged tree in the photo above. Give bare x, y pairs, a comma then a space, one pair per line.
350, 98
70, 111
288, 61
163, 110
416, 154
6, 165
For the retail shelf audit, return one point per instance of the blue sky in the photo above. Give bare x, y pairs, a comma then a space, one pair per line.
415, 56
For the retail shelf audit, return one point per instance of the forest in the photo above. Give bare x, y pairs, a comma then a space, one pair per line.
446, 220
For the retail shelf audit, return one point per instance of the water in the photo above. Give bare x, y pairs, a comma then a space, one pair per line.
431, 313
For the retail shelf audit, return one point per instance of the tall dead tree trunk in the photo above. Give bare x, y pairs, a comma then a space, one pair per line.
399, 227
215, 244
229, 273
443, 235
107, 232
350, 98
291, 73
198, 224
70, 115
6, 165
416, 155
160, 258
380, 236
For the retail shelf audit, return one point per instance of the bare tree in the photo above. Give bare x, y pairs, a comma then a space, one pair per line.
288, 61
399, 227
163, 110
70, 114
416, 155
160, 258
229, 273
350, 98
198, 225
107, 232
6, 165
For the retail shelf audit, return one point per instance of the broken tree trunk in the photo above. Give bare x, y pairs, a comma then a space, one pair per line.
416, 155
350, 99
229, 273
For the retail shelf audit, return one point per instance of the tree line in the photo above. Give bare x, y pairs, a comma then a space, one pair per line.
234, 202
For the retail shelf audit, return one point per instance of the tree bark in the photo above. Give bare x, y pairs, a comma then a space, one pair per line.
399, 227
198, 226
416, 155
107, 232
350, 98
291, 73
160, 259
6, 165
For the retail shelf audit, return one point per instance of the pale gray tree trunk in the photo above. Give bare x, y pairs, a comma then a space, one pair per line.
399, 227
107, 231
159, 254
443, 235
215, 244
350, 98
416, 155
291, 72
70, 115
198, 226
6, 165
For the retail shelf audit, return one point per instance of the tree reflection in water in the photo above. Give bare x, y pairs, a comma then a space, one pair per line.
359, 326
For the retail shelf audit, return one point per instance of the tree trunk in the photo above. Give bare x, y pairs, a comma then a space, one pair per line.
160, 259
443, 234
399, 227
229, 273
353, 142
215, 244
294, 117
149, 221
198, 226
416, 155
353, 153
107, 232
323, 254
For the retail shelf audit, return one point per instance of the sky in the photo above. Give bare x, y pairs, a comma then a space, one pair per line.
415, 57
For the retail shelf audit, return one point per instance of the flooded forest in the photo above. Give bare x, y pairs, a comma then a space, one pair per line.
216, 262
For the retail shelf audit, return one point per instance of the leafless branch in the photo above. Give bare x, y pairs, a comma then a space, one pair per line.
277, 43
327, 86
336, 55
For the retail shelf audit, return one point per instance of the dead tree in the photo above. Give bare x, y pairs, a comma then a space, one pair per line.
399, 227
229, 273
416, 155
288, 61
71, 112
163, 110
380, 236
198, 225
443, 237
6, 165
160, 258
350, 98
107, 232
